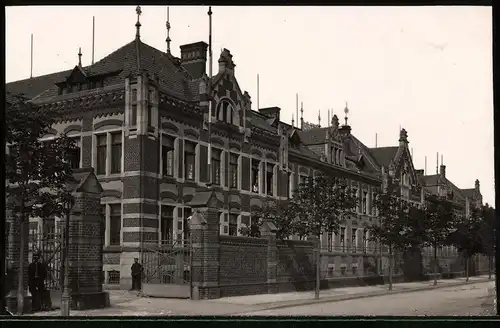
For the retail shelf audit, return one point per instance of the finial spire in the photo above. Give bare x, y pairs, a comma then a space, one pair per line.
301, 115
80, 56
138, 24
319, 117
168, 30
346, 111
293, 121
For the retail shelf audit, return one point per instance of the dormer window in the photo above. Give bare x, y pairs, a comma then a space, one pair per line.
225, 112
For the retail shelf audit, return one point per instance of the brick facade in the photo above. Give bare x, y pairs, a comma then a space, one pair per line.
146, 133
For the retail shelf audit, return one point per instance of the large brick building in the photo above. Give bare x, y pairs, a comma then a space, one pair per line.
140, 118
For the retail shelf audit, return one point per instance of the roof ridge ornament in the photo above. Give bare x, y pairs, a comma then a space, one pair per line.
80, 56
168, 30
346, 111
138, 24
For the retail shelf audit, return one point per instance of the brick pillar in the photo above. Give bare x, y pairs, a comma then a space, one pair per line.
12, 252
205, 236
268, 231
86, 241
197, 228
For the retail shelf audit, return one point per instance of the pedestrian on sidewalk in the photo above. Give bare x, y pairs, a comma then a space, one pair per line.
37, 273
136, 271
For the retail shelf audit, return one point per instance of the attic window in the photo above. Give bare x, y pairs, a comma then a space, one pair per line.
225, 111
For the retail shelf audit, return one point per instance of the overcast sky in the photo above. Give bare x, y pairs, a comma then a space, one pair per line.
426, 69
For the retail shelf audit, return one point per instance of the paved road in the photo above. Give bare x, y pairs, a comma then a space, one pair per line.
470, 299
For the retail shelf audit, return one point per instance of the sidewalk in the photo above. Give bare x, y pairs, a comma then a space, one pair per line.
124, 303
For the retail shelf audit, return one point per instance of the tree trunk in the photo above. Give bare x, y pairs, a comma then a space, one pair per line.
390, 268
490, 264
466, 268
20, 284
435, 266
318, 268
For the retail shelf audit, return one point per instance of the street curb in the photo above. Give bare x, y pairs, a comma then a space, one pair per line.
272, 306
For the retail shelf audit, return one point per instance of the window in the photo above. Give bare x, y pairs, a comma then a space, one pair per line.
354, 269
289, 185
113, 277
115, 224
187, 213
224, 219
330, 244
116, 152
150, 107
354, 239
342, 239
233, 224
365, 240
189, 160
269, 179
355, 192
225, 112
343, 270
255, 175
216, 159
74, 155
167, 155
374, 204
167, 224
233, 171
133, 112
101, 154
364, 202
179, 227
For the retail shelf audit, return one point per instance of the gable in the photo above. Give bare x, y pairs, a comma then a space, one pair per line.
403, 164
227, 90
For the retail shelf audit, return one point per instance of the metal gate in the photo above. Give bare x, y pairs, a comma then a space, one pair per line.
49, 245
167, 269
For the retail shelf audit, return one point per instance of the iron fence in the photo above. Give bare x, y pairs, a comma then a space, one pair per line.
167, 263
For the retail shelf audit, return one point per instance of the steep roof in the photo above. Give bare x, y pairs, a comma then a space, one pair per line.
468, 192
383, 155
313, 136
433, 180
174, 80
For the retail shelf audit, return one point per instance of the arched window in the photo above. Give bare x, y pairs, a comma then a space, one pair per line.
225, 112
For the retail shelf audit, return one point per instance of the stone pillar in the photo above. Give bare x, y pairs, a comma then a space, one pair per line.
86, 242
268, 231
13, 249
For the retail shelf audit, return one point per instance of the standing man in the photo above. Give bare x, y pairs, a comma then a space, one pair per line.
137, 270
37, 273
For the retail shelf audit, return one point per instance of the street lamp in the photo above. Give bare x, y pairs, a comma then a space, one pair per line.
66, 297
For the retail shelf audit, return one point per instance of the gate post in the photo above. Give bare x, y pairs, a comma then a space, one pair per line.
268, 231
86, 232
197, 227
206, 255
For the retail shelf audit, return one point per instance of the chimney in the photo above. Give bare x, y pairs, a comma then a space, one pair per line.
194, 58
419, 173
226, 63
270, 112
442, 171
345, 130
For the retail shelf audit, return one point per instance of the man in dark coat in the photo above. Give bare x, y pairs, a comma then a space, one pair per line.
136, 270
37, 273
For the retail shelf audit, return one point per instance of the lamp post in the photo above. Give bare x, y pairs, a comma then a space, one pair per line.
66, 297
